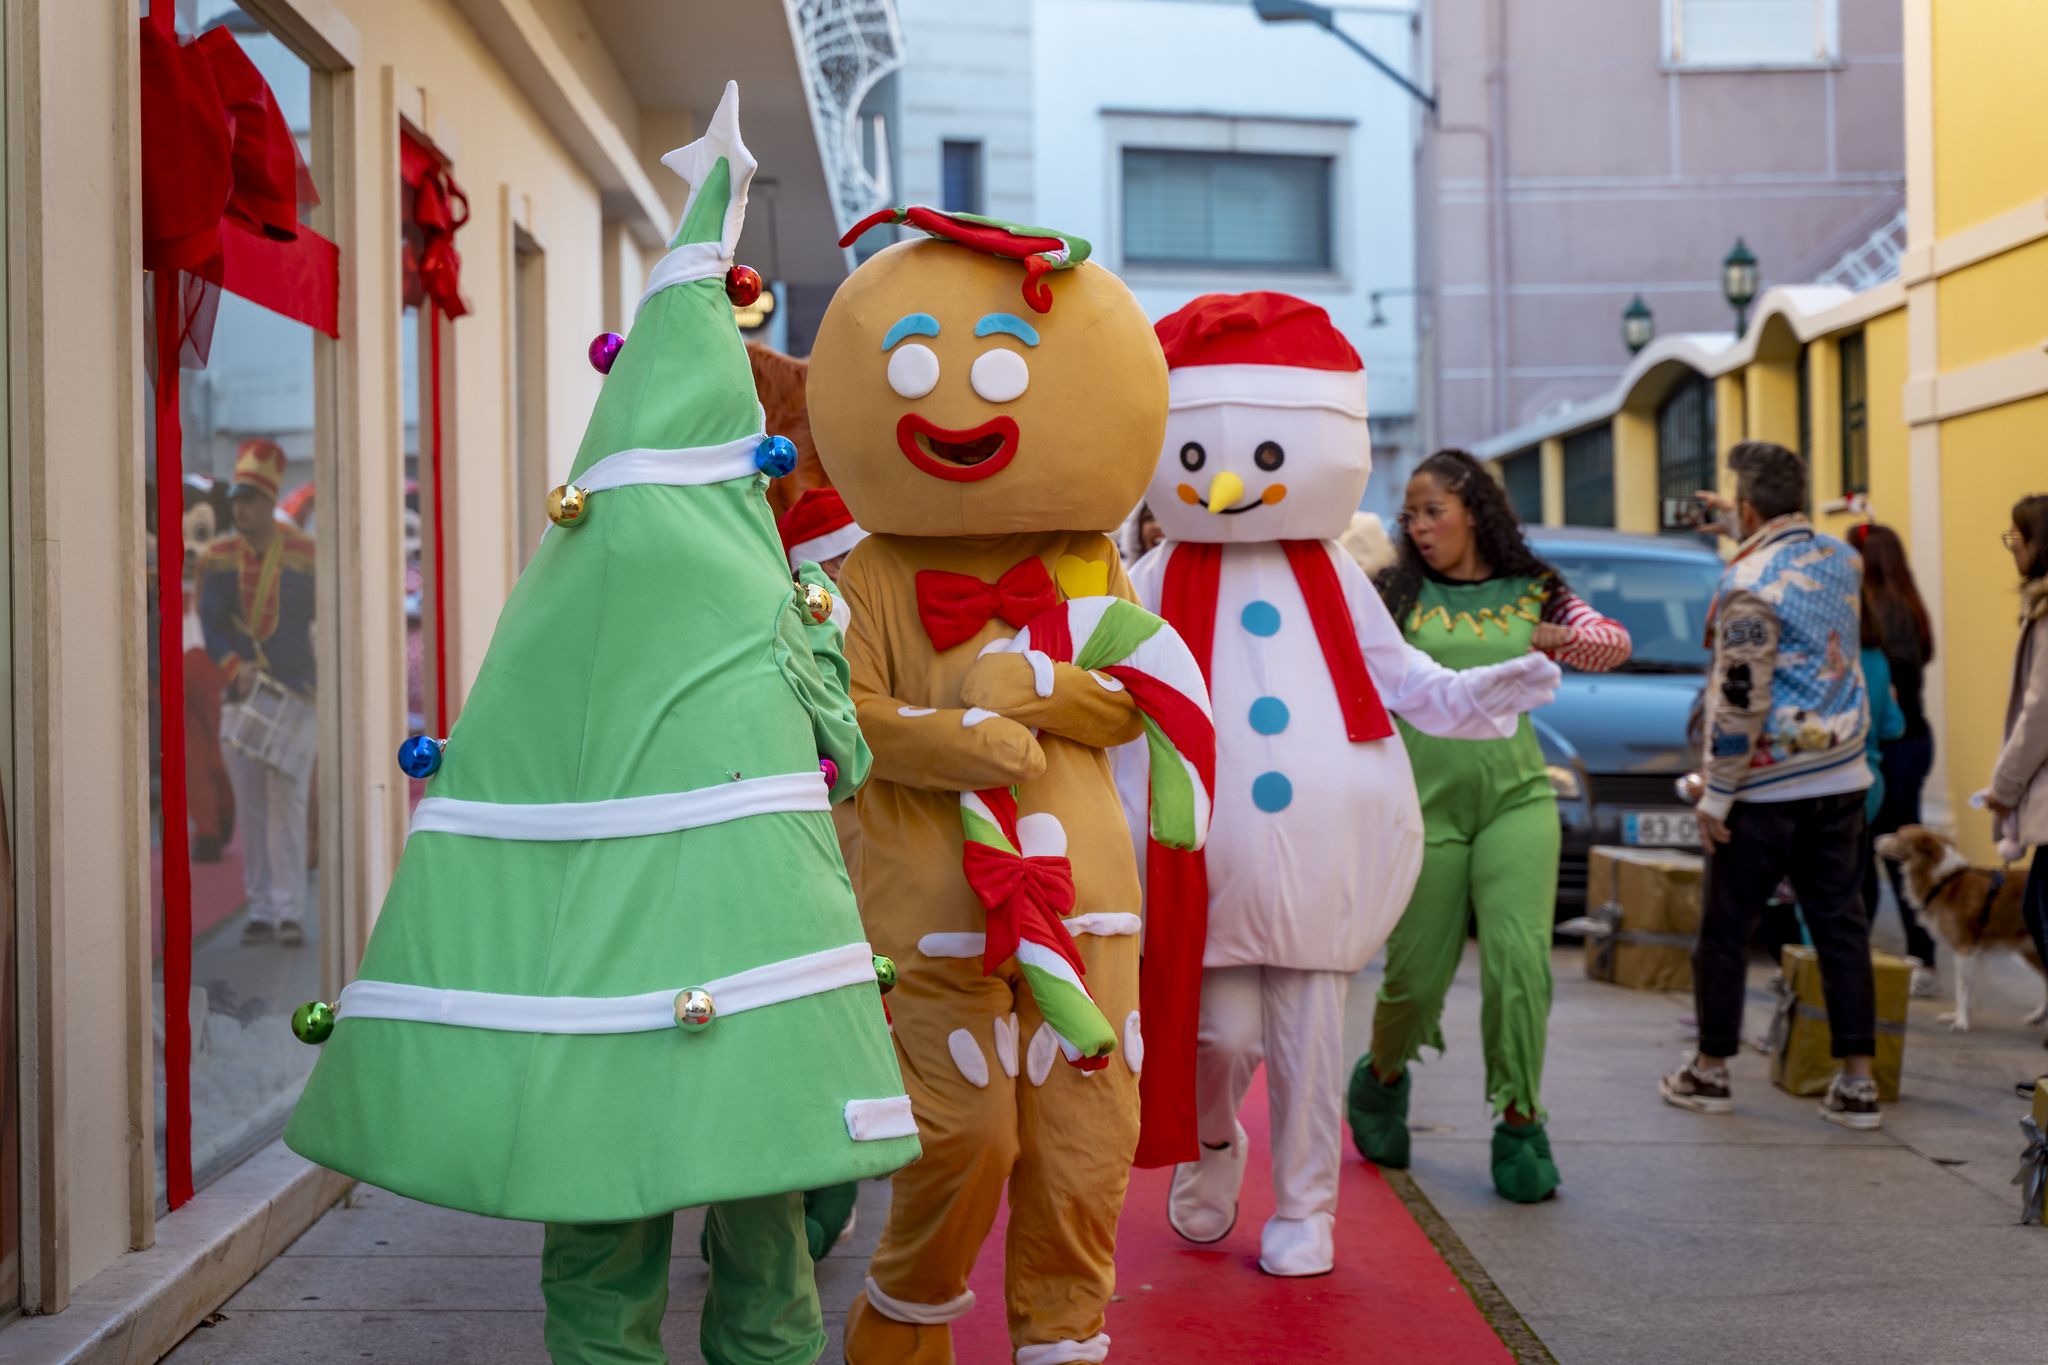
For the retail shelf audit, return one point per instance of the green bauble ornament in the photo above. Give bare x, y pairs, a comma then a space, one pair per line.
885, 973
313, 1021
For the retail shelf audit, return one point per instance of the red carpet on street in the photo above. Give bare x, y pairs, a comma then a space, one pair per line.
1391, 1297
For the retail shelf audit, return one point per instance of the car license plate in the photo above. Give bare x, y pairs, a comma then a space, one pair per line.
1653, 827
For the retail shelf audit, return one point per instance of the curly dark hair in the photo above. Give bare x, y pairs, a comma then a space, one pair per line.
1494, 525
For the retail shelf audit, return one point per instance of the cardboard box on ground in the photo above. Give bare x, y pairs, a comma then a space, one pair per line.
1801, 1048
1646, 902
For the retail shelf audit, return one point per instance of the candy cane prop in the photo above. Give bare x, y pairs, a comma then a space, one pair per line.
1018, 867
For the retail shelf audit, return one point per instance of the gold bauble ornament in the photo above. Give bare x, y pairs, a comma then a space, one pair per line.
568, 505
694, 1010
817, 602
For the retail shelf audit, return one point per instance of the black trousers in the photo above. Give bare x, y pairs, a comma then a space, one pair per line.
1818, 844
1906, 763
2035, 904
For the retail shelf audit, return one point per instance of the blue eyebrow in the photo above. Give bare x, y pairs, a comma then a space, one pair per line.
911, 325
1010, 323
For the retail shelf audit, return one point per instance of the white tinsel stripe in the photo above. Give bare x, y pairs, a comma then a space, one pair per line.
878, 1120
686, 466
688, 262
773, 984
626, 817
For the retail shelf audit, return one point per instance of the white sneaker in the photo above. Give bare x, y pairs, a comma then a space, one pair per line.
1298, 1247
1201, 1204
1926, 982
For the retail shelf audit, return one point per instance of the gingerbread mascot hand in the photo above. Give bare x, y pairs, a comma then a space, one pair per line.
989, 404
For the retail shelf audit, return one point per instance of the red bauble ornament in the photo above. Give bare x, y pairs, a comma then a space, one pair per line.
743, 285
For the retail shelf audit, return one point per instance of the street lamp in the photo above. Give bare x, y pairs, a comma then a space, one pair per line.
1637, 326
1738, 282
1300, 11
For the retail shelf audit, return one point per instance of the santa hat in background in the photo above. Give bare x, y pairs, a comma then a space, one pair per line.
1260, 349
817, 527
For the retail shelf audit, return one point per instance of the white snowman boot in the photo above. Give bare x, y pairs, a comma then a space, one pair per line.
1201, 1205
1299, 1247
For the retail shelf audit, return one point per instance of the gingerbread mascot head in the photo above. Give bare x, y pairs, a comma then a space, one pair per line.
985, 381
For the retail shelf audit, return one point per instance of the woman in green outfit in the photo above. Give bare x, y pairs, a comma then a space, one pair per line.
1468, 591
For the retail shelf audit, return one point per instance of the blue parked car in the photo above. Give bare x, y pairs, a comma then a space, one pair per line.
1615, 742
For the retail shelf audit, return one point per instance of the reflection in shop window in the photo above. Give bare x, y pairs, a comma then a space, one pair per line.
253, 686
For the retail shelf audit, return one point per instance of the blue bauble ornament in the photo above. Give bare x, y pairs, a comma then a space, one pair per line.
420, 756
775, 456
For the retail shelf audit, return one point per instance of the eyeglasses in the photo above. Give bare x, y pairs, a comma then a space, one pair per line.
2010, 540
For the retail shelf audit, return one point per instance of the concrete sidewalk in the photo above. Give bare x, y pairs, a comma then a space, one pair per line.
1766, 1235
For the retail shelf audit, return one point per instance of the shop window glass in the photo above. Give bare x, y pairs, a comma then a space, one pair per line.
1522, 474
253, 686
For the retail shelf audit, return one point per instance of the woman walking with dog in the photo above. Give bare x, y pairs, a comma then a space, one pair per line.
1894, 613
2018, 796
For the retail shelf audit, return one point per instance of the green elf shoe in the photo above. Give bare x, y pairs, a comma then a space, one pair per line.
1522, 1168
1379, 1116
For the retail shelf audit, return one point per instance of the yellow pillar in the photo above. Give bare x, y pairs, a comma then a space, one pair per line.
1552, 459
1635, 471
1731, 428
1770, 394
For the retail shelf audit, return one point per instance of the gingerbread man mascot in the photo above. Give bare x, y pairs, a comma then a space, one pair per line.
989, 405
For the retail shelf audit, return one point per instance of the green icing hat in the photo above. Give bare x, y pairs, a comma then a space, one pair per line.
1042, 250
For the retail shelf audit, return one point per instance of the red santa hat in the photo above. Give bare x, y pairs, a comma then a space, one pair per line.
1260, 349
817, 527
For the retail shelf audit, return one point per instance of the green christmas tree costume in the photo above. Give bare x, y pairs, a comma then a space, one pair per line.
1492, 839
631, 818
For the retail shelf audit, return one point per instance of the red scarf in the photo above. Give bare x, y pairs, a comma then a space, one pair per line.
1176, 882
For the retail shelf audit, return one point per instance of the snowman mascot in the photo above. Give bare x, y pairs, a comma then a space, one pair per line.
1317, 835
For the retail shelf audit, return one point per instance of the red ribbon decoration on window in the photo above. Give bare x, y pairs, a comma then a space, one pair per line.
222, 182
433, 283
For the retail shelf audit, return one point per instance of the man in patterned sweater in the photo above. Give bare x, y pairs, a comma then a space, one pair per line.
256, 609
1786, 718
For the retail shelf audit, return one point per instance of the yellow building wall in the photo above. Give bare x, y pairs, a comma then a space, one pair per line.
1635, 471
1553, 481
1770, 392
1998, 306
1884, 360
1824, 431
1989, 460
1990, 109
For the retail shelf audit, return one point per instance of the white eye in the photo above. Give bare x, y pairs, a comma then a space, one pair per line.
913, 370
999, 375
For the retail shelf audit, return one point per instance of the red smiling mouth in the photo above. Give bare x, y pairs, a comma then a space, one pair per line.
962, 456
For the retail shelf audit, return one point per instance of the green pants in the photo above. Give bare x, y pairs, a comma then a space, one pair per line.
1492, 853
606, 1286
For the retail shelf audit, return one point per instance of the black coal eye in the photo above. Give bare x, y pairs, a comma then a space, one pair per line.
1192, 456
1269, 456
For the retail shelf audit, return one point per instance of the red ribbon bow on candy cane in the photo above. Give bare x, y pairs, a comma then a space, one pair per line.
1026, 898
955, 606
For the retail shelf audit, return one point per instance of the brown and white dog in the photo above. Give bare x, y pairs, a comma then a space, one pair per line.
1971, 909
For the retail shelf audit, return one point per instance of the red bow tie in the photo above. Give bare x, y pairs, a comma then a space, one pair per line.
955, 606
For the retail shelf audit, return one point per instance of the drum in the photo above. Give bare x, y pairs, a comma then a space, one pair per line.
272, 725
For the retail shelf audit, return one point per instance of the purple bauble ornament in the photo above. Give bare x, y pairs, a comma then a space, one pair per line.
604, 349
831, 771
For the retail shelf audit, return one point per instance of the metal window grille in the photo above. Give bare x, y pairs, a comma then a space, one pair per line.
1589, 477
1522, 473
1685, 440
1228, 209
1855, 417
